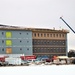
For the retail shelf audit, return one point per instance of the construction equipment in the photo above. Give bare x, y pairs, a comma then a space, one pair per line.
67, 24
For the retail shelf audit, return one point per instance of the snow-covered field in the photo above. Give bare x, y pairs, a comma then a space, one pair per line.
39, 70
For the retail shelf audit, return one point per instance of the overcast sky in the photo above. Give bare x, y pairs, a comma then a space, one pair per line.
39, 13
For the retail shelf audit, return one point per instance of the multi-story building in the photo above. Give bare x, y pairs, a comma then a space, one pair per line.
48, 42
15, 40
32, 41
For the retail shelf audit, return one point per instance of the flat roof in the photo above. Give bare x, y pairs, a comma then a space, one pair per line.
7, 27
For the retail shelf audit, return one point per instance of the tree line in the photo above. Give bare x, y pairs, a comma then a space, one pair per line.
71, 53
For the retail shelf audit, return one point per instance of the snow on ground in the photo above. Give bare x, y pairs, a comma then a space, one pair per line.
38, 70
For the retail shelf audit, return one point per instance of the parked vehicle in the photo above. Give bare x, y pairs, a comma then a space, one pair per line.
13, 61
3, 63
73, 62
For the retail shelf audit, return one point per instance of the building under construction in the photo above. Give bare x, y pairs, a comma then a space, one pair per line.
33, 41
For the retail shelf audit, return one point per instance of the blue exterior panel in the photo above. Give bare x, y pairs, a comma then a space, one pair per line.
21, 42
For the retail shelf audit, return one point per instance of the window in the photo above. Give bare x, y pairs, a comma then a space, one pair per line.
59, 35
44, 35
8, 42
2, 49
20, 33
47, 35
2, 33
20, 48
2, 41
35, 34
27, 41
41, 34
63, 35
35, 50
27, 48
50, 35
27, 33
53, 35
8, 50
38, 34
20, 41
8, 34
